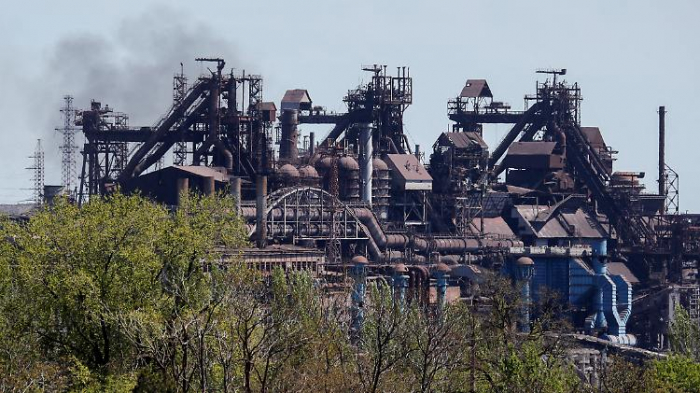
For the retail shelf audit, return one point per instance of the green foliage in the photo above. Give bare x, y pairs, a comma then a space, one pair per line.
684, 334
124, 295
675, 374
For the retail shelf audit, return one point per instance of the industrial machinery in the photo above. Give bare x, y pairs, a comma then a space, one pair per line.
545, 206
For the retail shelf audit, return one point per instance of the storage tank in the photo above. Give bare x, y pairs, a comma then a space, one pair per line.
348, 179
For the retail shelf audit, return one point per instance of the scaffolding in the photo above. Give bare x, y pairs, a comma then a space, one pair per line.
179, 92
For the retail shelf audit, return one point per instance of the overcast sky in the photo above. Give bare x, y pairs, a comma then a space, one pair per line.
629, 57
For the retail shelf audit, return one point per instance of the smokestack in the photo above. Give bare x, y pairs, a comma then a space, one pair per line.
417, 151
366, 168
260, 207
662, 152
290, 136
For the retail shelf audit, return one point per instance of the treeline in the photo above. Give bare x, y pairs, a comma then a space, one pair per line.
124, 295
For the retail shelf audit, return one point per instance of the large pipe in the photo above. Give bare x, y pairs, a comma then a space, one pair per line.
366, 168
260, 205
662, 154
236, 192
165, 146
528, 117
290, 136
175, 113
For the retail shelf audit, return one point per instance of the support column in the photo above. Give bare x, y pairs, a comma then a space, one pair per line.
208, 186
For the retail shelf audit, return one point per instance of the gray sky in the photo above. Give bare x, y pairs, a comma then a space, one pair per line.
629, 57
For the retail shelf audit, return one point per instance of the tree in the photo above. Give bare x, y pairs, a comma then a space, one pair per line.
383, 341
94, 284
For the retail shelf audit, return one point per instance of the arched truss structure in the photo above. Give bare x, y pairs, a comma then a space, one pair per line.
308, 213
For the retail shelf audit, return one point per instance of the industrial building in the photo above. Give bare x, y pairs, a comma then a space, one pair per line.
545, 206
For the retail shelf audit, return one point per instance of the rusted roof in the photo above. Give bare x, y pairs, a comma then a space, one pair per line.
531, 148
463, 140
296, 96
575, 223
266, 106
620, 269
595, 138
476, 88
408, 169
204, 171
492, 226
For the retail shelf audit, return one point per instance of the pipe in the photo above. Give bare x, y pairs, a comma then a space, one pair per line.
601, 271
165, 146
400, 281
175, 113
561, 136
236, 192
228, 156
261, 207
366, 167
513, 134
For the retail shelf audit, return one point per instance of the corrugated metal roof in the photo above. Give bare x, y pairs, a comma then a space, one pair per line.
408, 168
204, 171
296, 96
476, 88
531, 148
560, 224
582, 225
620, 269
463, 140
493, 226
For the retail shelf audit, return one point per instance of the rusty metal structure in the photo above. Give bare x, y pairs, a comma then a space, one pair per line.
545, 206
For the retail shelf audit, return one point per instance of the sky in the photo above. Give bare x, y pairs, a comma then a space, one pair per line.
629, 57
